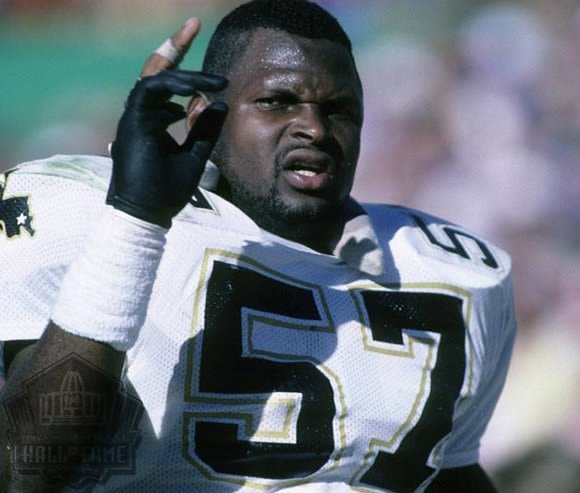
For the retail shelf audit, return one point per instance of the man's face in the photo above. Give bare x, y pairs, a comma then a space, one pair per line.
290, 143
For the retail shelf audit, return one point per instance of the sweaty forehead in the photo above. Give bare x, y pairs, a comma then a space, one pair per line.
270, 51
274, 49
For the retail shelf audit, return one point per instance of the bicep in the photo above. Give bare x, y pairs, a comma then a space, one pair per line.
470, 478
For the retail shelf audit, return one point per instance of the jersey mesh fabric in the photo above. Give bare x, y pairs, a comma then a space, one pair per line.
62, 206
289, 348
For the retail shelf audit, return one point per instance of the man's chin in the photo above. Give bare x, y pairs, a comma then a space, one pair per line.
284, 212
308, 208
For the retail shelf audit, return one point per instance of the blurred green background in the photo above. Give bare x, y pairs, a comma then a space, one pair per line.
66, 72
68, 64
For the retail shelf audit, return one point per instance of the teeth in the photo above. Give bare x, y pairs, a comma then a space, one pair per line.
305, 172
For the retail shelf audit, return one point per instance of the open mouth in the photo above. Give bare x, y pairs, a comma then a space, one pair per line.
308, 170
305, 172
305, 178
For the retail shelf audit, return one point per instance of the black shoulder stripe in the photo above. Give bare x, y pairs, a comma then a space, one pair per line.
199, 201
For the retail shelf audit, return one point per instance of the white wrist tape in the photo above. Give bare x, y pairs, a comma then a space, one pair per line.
105, 293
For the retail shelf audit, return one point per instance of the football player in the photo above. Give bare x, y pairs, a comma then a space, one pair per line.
242, 325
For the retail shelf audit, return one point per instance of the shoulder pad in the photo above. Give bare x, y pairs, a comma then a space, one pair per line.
438, 239
94, 171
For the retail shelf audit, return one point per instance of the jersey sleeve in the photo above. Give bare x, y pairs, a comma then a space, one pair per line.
423, 247
46, 209
494, 353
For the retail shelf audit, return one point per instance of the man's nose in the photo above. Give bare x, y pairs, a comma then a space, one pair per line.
310, 123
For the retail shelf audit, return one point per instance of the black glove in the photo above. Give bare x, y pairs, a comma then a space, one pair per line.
154, 176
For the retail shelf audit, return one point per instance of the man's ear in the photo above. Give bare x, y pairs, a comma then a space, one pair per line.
196, 105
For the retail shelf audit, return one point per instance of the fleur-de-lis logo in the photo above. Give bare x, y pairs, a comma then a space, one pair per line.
14, 213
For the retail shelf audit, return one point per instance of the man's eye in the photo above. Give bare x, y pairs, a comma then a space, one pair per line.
343, 112
272, 103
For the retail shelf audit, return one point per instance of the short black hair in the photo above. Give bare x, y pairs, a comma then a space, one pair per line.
298, 17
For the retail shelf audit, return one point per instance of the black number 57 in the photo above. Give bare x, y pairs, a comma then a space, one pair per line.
225, 369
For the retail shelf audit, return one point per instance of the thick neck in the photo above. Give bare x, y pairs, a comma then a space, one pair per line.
319, 233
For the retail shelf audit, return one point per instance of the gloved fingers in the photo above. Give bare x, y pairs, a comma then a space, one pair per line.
206, 130
161, 87
160, 117
203, 81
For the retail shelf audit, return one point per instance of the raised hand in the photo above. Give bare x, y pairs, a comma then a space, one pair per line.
153, 176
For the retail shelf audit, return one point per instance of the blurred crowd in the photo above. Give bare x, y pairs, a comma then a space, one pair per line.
472, 113
484, 129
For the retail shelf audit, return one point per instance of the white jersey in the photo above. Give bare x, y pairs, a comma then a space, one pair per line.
266, 366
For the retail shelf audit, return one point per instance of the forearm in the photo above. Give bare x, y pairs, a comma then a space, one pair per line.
35, 380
